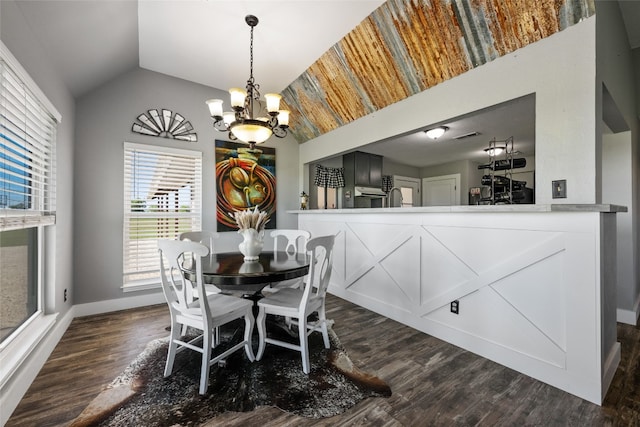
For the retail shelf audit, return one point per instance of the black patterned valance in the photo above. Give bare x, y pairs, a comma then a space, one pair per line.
387, 183
329, 177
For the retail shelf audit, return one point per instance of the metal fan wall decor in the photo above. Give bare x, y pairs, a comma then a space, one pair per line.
165, 124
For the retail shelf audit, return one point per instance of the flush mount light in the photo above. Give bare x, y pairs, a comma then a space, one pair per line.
494, 151
436, 133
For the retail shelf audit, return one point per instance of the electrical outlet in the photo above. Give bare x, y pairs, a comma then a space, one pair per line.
455, 307
559, 189
65, 295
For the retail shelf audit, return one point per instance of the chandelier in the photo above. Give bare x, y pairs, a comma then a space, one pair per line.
245, 122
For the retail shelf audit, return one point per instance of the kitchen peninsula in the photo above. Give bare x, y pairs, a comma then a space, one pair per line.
527, 286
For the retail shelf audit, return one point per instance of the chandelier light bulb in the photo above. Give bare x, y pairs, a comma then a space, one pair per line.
228, 117
215, 107
283, 117
238, 96
273, 102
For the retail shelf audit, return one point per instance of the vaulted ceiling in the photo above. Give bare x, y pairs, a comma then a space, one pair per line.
334, 61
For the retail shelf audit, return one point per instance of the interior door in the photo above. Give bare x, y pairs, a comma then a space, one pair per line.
410, 190
441, 190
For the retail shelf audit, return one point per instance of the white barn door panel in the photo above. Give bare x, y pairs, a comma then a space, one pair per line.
525, 285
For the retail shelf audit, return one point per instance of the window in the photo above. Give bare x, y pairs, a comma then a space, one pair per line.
28, 123
407, 196
327, 198
162, 198
328, 180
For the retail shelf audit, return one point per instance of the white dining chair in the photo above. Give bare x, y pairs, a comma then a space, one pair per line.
299, 303
205, 237
203, 314
294, 242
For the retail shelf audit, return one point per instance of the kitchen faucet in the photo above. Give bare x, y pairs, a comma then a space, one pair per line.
389, 196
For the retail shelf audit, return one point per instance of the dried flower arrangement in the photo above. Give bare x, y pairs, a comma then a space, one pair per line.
250, 219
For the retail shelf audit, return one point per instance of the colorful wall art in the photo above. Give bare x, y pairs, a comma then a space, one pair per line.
245, 178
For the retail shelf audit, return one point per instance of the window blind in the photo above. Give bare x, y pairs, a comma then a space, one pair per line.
162, 198
27, 155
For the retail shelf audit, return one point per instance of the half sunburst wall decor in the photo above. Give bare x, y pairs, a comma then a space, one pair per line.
165, 125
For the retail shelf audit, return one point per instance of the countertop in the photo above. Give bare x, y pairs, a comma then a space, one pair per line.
606, 208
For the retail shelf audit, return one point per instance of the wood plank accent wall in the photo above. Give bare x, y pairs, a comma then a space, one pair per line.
407, 46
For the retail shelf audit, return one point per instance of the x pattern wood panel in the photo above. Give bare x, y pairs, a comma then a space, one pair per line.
419, 270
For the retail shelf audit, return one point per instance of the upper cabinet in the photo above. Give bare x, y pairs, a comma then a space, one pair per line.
366, 169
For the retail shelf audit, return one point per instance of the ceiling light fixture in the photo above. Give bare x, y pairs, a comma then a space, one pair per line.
436, 133
494, 151
243, 122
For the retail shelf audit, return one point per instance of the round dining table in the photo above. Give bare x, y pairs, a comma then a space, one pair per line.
230, 273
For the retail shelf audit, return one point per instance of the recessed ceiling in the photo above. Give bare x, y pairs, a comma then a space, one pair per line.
515, 118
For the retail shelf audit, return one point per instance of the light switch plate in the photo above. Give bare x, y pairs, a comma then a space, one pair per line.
559, 190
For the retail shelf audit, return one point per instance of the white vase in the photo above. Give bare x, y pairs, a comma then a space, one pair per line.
252, 243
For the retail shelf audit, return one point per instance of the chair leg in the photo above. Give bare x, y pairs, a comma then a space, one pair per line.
262, 332
304, 345
206, 357
322, 317
248, 332
173, 348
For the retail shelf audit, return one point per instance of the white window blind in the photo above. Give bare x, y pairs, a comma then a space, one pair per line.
27, 154
28, 122
162, 198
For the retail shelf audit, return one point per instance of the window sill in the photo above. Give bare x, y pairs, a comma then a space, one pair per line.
141, 286
15, 352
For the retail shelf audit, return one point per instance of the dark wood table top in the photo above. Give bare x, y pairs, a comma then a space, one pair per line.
229, 272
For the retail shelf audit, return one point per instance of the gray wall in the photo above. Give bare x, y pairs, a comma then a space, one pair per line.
636, 67
16, 36
616, 189
389, 167
469, 175
104, 122
615, 70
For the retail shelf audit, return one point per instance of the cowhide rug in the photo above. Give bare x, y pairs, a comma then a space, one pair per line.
141, 396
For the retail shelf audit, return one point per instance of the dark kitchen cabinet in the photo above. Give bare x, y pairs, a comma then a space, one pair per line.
361, 170
366, 168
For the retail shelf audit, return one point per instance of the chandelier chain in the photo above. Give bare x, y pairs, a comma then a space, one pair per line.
251, 57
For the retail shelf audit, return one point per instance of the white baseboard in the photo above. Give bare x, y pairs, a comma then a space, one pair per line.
609, 368
100, 307
15, 387
630, 317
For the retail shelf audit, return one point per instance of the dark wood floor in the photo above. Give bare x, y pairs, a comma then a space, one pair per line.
433, 382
